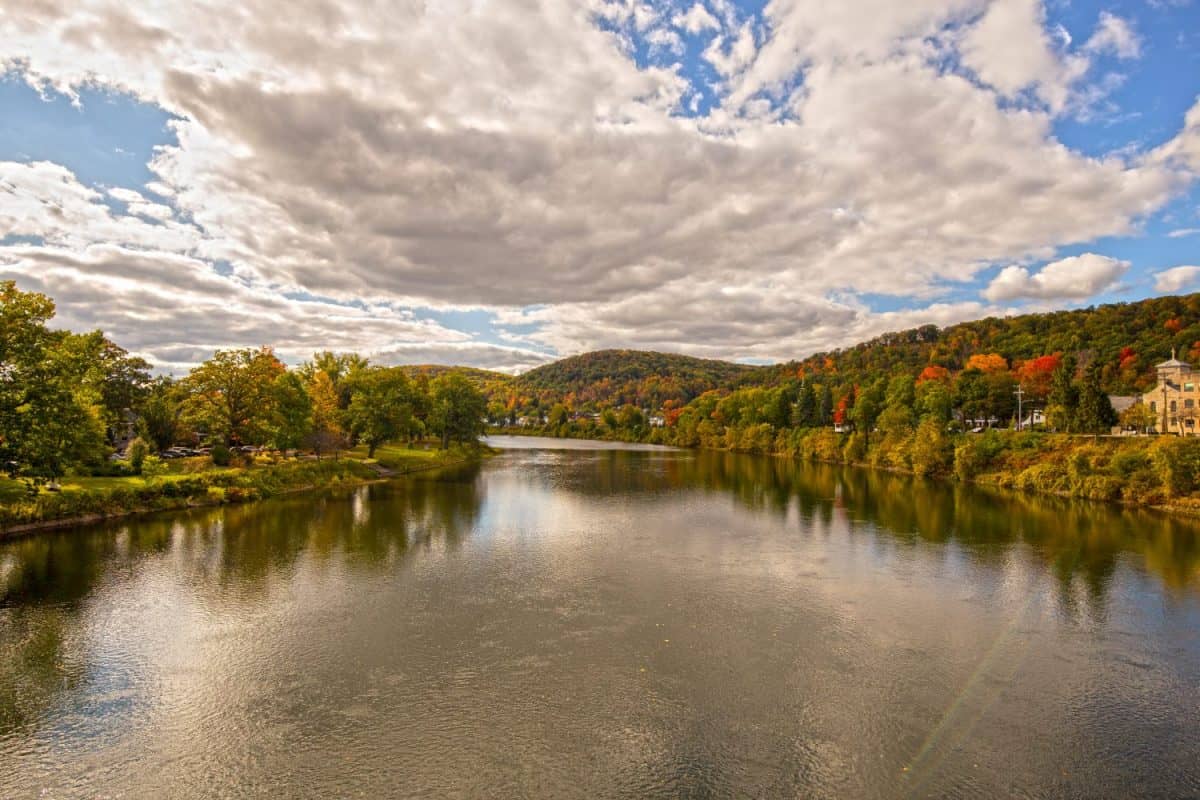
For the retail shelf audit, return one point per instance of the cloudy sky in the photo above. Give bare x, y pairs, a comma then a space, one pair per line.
497, 182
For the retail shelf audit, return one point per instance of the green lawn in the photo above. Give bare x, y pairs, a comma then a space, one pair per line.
395, 457
401, 458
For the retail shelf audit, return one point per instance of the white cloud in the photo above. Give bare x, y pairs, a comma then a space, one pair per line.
1072, 278
697, 20
1179, 233
1010, 50
1176, 279
1114, 35
513, 154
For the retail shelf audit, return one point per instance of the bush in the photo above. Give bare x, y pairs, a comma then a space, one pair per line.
138, 450
1177, 462
855, 448
931, 452
1046, 477
153, 466
221, 455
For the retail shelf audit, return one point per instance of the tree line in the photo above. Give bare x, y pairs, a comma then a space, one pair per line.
68, 400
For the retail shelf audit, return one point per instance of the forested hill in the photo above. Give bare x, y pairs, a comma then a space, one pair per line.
482, 378
619, 377
1126, 339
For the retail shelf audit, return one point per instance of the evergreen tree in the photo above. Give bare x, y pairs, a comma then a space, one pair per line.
1063, 401
824, 413
1094, 412
804, 412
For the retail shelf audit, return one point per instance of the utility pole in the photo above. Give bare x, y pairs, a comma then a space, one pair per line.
1020, 393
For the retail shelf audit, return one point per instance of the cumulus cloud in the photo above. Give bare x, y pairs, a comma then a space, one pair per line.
1176, 279
514, 154
1073, 278
1010, 49
696, 20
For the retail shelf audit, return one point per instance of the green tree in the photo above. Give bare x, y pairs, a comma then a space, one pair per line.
381, 407
232, 396
1062, 403
293, 412
825, 405
558, 416
931, 452
804, 412
50, 419
1094, 412
158, 415
456, 409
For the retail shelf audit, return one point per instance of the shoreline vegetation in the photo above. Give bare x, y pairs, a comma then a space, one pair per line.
87, 431
1153, 472
196, 483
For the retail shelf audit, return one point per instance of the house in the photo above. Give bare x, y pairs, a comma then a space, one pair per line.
1173, 400
1033, 418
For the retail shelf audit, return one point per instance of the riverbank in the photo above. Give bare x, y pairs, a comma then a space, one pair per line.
196, 483
1159, 472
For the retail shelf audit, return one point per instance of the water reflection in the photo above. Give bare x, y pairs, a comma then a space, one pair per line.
605, 624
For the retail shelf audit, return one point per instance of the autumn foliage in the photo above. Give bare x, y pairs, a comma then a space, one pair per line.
987, 362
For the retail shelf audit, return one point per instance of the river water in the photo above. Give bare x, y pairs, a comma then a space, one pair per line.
608, 623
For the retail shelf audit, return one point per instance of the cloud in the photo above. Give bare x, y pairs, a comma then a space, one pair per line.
1114, 35
1181, 232
696, 20
1176, 279
516, 154
1010, 49
1072, 278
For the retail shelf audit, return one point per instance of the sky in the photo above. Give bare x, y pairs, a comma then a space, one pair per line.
498, 183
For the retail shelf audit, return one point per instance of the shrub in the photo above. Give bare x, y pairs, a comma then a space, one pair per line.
221, 455
153, 466
855, 448
138, 450
1177, 462
930, 451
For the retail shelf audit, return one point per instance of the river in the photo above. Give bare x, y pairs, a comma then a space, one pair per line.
596, 622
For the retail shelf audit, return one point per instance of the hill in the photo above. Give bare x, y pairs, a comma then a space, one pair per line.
1125, 339
634, 377
483, 378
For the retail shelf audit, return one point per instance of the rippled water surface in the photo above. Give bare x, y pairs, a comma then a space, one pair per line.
595, 623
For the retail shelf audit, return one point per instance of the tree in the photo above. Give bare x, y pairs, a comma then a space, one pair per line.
1063, 400
327, 433
987, 362
1037, 374
934, 401
931, 452
49, 418
293, 412
340, 368
804, 412
1138, 417
825, 405
381, 407
232, 396
558, 416
158, 415
456, 409
1094, 413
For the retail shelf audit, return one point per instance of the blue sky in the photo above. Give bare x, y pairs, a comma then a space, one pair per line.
740, 180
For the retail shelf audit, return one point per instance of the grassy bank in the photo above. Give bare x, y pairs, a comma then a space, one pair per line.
1160, 472
197, 482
